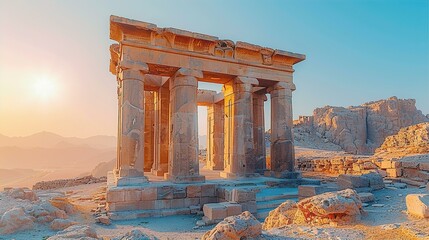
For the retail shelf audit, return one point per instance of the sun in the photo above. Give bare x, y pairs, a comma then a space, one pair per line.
44, 88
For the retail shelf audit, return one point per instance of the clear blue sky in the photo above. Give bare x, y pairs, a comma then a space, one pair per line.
357, 51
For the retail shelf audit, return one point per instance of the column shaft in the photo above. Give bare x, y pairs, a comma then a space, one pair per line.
184, 165
259, 131
215, 136
238, 151
149, 131
131, 145
282, 147
162, 142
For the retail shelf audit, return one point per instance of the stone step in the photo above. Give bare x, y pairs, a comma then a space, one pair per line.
263, 213
276, 197
269, 204
128, 215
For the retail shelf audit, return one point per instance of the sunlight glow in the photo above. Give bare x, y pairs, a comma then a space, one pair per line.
44, 88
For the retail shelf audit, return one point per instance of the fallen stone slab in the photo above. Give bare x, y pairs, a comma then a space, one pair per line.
366, 197
418, 205
61, 224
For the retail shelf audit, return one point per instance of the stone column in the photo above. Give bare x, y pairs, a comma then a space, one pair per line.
282, 148
183, 164
162, 142
259, 131
149, 132
215, 133
130, 160
238, 144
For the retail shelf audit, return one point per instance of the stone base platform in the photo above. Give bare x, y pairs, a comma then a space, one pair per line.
164, 198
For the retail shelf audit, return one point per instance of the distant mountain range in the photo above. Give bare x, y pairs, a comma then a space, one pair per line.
48, 156
52, 140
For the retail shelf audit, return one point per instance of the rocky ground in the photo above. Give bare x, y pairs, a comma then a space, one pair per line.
385, 218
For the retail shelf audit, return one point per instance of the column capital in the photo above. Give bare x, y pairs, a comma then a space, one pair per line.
282, 85
127, 64
246, 80
184, 72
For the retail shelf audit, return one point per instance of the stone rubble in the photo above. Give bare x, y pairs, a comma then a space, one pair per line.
76, 232
61, 183
15, 220
418, 205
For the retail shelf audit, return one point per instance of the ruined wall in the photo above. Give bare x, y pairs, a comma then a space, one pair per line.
361, 129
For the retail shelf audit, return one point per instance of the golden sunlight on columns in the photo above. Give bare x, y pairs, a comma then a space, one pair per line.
149, 132
259, 130
238, 147
130, 160
215, 133
282, 147
183, 164
162, 140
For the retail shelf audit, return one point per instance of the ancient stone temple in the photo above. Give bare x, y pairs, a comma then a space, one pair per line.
158, 71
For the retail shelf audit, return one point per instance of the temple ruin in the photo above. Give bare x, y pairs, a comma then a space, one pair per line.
158, 71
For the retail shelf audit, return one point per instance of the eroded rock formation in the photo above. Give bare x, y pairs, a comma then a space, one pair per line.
361, 129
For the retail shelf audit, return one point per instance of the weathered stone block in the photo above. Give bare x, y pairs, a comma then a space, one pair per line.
162, 204
165, 192
386, 164
242, 195
192, 202
375, 180
232, 209
418, 205
424, 175
352, 181
366, 197
424, 166
311, 190
410, 164
208, 190
178, 203
179, 192
149, 194
205, 200
214, 211
147, 205
249, 206
123, 206
193, 191
394, 172
410, 172
115, 196
133, 195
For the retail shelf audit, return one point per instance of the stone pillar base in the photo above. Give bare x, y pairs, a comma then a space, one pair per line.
158, 173
130, 181
235, 176
184, 179
285, 174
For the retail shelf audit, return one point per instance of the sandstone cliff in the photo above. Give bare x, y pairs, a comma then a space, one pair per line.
361, 129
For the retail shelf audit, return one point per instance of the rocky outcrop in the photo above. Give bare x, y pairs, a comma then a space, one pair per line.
61, 183
340, 207
243, 226
15, 220
281, 216
22, 193
361, 129
410, 140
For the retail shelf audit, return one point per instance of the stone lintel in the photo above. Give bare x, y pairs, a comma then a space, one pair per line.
183, 72
167, 61
123, 29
